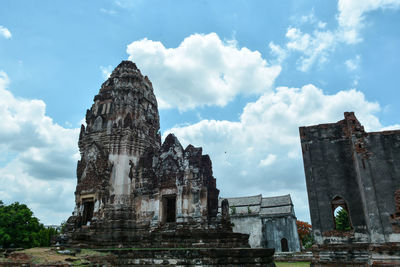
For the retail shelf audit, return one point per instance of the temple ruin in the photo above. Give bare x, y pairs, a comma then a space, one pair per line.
134, 192
130, 186
359, 172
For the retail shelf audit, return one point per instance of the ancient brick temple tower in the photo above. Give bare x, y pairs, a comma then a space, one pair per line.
133, 191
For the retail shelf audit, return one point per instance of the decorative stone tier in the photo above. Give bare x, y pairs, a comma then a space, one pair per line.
126, 234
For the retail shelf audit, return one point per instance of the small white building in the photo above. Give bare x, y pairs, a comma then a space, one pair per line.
270, 221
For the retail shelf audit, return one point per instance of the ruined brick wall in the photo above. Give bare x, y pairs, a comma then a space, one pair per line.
183, 173
329, 169
363, 169
379, 168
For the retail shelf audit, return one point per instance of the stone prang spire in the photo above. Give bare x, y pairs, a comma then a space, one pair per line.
132, 190
125, 107
121, 124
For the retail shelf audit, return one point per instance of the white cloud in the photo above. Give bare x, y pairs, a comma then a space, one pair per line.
41, 172
106, 71
315, 47
108, 11
351, 15
390, 128
356, 80
127, 4
202, 71
5, 32
264, 145
353, 64
278, 52
310, 18
270, 159
321, 25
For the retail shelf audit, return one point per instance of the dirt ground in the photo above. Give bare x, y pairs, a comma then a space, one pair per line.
84, 257
47, 256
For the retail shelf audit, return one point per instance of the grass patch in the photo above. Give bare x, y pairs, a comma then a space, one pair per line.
292, 264
45, 255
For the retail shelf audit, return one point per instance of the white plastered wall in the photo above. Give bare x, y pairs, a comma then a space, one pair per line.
120, 181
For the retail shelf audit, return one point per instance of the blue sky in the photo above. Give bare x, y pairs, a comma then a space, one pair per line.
235, 77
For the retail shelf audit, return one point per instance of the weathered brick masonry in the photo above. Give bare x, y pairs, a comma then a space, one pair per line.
347, 167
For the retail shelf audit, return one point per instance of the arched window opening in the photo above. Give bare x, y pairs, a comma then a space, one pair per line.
284, 245
341, 214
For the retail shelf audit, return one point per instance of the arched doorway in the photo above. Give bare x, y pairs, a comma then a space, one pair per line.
284, 245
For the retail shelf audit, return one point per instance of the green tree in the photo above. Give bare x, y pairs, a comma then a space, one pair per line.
63, 226
19, 228
342, 220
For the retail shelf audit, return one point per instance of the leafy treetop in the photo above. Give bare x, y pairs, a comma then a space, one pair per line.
19, 228
342, 220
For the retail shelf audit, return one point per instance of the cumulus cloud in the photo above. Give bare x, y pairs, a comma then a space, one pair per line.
264, 146
316, 46
352, 16
202, 71
41, 169
5, 32
278, 52
312, 47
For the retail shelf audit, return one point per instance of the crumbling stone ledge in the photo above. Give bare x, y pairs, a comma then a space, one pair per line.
356, 254
305, 256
